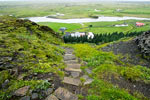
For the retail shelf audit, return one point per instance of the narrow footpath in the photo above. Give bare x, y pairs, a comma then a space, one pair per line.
72, 82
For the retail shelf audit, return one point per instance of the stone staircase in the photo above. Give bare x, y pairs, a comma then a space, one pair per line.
72, 78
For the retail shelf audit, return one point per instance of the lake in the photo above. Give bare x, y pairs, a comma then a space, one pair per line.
82, 20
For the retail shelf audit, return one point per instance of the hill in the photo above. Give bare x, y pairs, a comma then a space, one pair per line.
26, 49
35, 64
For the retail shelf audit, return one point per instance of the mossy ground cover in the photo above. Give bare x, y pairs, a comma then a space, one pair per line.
104, 66
28, 47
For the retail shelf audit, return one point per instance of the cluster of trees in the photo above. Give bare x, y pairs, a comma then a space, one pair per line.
103, 38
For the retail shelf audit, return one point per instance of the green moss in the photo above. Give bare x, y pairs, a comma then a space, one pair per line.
31, 48
105, 65
3, 76
100, 90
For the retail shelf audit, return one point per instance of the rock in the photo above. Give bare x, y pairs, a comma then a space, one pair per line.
88, 71
35, 96
5, 84
35, 74
25, 98
68, 50
69, 57
71, 62
49, 91
15, 71
73, 70
22, 91
143, 42
85, 77
64, 94
51, 97
75, 66
71, 81
75, 74
20, 77
88, 81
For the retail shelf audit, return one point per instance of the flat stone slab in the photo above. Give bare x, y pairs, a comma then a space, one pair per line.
22, 91
75, 74
71, 81
88, 80
71, 62
72, 70
75, 66
69, 57
64, 94
88, 71
68, 54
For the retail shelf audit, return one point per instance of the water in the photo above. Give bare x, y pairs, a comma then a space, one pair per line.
83, 20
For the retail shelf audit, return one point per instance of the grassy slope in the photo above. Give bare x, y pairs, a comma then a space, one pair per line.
32, 49
104, 66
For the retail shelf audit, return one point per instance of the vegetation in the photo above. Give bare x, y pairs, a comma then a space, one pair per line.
105, 66
75, 10
99, 27
100, 38
29, 47
57, 26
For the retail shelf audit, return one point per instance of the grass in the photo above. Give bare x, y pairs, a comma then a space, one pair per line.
74, 10
99, 27
57, 26
104, 66
32, 49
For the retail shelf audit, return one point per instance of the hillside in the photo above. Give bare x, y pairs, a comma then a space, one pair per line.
27, 49
35, 64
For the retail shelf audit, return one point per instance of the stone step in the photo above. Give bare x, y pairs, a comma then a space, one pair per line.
71, 81
71, 62
64, 94
68, 54
69, 57
75, 74
88, 80
72, 70
74, 66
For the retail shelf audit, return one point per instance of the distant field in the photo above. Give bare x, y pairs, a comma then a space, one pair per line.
74, 10
100, 27
57, 26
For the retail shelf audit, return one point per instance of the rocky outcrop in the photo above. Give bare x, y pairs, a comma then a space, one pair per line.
143, 42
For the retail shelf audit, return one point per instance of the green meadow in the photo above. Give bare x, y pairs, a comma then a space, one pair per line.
75, 10
100, 27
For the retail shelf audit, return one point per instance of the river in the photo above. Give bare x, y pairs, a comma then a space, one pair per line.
83, 20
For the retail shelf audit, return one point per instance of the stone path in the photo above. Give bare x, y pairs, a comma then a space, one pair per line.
72, 77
